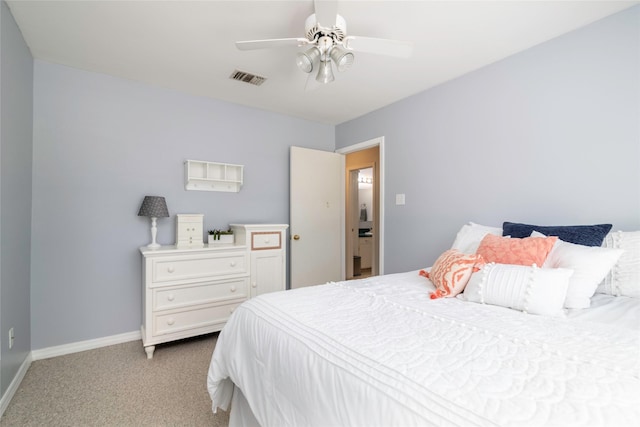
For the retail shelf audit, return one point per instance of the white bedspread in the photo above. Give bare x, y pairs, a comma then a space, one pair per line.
378, 351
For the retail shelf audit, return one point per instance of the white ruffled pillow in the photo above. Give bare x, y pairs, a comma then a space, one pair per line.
589, 263
470, 235
624, 277
529, 289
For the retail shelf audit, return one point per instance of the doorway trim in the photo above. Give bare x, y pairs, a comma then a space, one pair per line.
379, 141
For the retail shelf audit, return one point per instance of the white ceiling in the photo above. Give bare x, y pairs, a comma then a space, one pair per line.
189, 45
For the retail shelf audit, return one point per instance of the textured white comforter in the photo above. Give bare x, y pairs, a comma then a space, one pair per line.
378, 351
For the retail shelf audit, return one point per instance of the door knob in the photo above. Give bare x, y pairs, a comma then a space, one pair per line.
296, 237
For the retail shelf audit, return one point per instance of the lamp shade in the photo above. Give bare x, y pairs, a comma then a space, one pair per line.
342, 58
153, 206
325, 73
305, 60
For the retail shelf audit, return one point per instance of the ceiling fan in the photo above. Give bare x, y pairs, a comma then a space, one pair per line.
327, 41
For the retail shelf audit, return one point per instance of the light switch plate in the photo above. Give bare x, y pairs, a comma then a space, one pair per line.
399, 199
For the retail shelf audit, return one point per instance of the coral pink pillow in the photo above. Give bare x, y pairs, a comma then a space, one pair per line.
451, 272
507, 250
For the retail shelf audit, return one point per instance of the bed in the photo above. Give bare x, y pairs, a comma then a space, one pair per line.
381, 352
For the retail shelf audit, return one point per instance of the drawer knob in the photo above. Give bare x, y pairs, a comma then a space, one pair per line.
266, 240
233, 288
170, 297
232, 263
171, 321
171, 269
253, 284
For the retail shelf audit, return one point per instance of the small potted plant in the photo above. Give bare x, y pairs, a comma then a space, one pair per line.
220, 237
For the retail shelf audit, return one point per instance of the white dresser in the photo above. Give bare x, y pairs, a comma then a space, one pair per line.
193, 291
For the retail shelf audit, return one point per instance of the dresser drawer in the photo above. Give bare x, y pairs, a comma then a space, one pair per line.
192, 319
169, 298
191, 242
265, 240
194, 267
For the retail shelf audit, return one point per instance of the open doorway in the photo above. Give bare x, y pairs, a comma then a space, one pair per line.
362, 213
364, 217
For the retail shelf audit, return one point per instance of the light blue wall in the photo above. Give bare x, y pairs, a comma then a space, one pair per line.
100, 145
550, 135
16, 111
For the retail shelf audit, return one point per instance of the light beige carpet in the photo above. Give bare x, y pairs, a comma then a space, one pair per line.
118, 386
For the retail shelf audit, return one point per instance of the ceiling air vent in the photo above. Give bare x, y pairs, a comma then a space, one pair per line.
243, 76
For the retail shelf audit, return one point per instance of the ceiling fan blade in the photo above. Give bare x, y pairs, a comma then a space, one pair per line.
400, 49
326, 12
269, 43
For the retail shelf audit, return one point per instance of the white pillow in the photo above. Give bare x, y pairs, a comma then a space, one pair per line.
529, 289
469, 237
589, 263
624, 277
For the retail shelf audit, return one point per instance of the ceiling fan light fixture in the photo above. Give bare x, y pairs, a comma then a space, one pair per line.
326, 41
306, 59
325, 72
342, 57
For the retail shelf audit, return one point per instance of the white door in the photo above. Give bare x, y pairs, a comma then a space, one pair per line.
316, 216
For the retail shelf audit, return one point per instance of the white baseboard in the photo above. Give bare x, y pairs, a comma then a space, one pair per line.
13, 387
61, 350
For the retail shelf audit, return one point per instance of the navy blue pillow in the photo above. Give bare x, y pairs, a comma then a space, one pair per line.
587, 235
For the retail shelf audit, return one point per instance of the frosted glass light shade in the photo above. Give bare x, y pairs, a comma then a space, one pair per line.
306, 59
342, 58
325, 73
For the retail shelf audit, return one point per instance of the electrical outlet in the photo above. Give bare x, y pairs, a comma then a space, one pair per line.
11, 338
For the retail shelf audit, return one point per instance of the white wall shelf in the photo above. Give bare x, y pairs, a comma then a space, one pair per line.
212, 176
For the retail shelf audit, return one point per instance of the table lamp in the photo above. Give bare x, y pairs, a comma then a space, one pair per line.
154, 207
